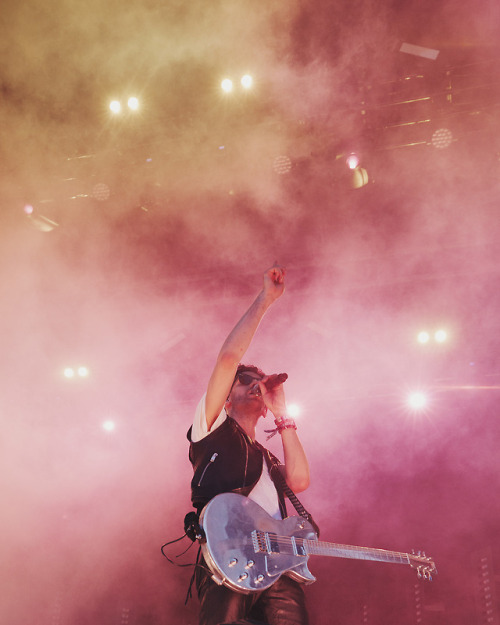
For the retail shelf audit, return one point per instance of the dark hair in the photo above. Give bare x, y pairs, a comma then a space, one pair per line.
251, 368
241, 368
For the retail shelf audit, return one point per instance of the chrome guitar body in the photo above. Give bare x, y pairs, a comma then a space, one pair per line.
247, 550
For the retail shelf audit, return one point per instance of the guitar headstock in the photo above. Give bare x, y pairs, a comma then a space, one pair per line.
424, 565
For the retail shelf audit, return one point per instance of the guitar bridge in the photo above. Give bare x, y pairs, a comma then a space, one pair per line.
265, 542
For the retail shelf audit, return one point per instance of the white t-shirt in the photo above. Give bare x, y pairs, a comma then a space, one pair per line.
264, 492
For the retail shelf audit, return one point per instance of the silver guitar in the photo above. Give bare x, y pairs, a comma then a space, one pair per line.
247, 550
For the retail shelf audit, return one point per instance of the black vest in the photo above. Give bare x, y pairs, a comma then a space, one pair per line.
226, 460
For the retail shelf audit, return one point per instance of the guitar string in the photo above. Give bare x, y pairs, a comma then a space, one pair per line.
315, 547
361, 553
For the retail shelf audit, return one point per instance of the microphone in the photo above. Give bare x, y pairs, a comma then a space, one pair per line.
275, 380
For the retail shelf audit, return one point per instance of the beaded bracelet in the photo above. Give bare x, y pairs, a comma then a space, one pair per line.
282, 423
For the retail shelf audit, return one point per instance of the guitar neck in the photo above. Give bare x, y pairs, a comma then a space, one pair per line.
321, 548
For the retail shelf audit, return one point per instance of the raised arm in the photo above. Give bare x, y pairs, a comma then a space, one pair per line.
238, 341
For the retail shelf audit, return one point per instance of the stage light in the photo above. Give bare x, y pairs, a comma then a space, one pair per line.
69, 373
293, 411
83, 372
227, 85
442, 138
352, 161
100, 192
426, 53
440, 336
133, 103
359, 178
282, 165
423, 337
40, 222
115, 106
246, 81
109, 425
417, 401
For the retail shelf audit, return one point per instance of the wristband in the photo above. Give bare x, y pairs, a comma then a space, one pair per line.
282, 423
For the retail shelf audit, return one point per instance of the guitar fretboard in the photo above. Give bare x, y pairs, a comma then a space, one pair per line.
271, 543
321, 548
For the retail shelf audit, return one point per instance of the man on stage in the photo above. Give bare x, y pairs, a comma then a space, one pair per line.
227, 458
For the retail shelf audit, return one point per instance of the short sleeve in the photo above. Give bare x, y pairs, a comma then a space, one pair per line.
200, 429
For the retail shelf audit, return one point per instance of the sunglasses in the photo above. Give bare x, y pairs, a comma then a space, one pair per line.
246, 379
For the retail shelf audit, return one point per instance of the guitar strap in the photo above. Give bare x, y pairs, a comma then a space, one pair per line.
273, 464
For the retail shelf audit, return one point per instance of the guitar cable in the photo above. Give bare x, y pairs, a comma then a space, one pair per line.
171, 542
194, 532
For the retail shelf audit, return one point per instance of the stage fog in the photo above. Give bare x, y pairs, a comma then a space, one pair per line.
132, 242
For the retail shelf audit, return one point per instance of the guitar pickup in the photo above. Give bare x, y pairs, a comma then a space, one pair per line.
298, 546
265, 542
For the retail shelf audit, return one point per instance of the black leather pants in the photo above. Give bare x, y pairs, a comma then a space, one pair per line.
283, 603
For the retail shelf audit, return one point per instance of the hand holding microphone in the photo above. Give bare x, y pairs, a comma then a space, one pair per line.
275, 400
274, 397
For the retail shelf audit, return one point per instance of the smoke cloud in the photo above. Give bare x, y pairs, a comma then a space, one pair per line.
146, 240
